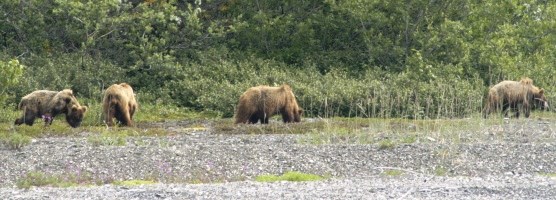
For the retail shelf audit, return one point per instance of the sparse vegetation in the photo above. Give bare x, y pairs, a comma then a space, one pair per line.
393, 172
548, 174
15, 140
440, 171
289, 176
386, 144
108, 139
39, 179
134, 182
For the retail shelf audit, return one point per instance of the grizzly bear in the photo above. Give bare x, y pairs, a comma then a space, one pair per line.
517, 96
119, 102
262, 102
47, 104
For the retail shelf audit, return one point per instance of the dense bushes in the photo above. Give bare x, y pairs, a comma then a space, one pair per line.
369, 58
217, 85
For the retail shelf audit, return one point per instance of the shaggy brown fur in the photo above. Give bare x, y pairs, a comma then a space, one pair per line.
47, 104
518, 96
119, 102
262, 102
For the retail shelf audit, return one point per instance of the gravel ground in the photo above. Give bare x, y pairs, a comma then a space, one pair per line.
515, 167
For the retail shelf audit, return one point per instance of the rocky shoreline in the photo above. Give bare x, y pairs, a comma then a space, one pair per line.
207, 165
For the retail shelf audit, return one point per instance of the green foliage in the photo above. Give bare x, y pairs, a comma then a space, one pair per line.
40, 179
35, 179
393, 172
289, 176
368, 58
14, 140
11, 72
64, 180
386, 144
547, 174
133, 182
440, 171
336, 93
107, 138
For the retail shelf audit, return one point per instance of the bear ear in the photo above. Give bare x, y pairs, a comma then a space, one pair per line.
84, 108
68, 91
74, 108
541, 91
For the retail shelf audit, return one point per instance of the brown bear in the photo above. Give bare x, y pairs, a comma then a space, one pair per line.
522, 95
262, 102
47, 104
119, 102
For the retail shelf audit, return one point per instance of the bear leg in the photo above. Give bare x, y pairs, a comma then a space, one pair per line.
27, 118
132, 109
109, 116
505, 110
124, 117
253, 119
526, 109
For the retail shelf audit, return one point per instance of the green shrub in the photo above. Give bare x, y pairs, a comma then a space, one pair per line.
386, 144
289, 176
15, 140
70, 179
12, 72
108, 138
133, 182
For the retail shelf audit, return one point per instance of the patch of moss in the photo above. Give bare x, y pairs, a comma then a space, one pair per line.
386, 144
440, 171
289, 176
393, 172
107, 139
548, 174
133, 182
39, 179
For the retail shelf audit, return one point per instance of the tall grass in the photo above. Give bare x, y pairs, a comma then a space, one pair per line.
214, 84
372, 93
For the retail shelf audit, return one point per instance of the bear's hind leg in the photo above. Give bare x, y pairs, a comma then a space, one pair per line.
505, 110
124, 117
27, 118
109, 116
526, 109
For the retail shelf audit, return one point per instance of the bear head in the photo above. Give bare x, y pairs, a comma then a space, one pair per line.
65, 102
539, 99
75, 115
297, 115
